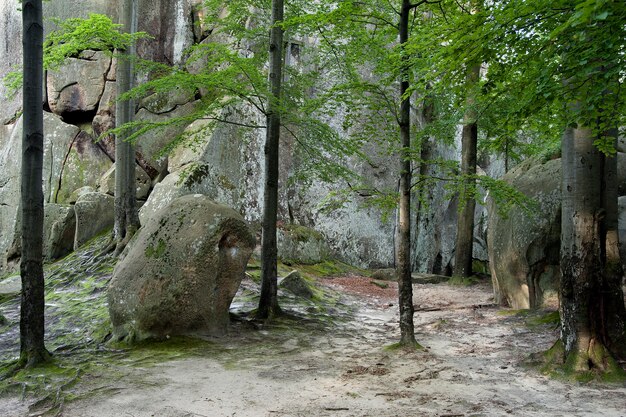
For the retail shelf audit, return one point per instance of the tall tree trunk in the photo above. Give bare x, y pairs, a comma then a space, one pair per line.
426, 117
613, 300
465, 222
32, 349
403, 239
268, 303
583, 318
126, 216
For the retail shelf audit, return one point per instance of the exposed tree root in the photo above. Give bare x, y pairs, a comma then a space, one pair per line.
591, 362
122, 243
109, 248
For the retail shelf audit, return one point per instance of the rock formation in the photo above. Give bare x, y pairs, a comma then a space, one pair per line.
524, 247
181, 272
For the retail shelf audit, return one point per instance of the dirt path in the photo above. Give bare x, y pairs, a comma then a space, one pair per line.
471, 368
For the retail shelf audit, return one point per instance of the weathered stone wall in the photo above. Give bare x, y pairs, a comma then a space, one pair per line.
10, 56
227, 165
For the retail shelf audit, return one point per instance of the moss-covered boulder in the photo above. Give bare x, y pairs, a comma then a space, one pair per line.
59, 230
301, 245
84, 164
181, 272
297, 285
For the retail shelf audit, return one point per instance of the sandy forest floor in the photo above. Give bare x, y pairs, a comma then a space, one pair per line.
471, 367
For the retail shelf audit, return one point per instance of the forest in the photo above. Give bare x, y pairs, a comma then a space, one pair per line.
326, 208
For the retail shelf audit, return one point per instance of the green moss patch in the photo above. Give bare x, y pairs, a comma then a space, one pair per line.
329, 268
584, 367
464, 281
156, 251
402, 347
84, 365
301, 233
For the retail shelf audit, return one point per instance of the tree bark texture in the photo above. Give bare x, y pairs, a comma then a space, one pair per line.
613, 302
268, 303
126, 216
583, 303
465, 222
403, 238
32, 329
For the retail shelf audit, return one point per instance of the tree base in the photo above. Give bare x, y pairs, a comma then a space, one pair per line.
268, 314
595, 363
407, 346
33, 359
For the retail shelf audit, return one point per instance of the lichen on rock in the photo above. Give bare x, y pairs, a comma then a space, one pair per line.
181, 272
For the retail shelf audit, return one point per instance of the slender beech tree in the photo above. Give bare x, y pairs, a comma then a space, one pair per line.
403, 239
268, 303
32, 348
469, 146
126, 216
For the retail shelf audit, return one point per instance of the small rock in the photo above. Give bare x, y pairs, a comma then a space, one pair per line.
386, 274
295, 284
11, 285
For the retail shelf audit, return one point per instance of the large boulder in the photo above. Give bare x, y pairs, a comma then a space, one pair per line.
57, 141
181, 272
59, 230
151, 144
225, 162
524, 248
84, 164
77, 86
142, 181
94, 215
301, 245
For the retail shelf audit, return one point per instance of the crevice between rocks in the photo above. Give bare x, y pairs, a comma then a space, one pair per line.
67, 155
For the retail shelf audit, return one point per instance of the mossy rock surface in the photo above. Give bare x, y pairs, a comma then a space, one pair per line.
297, 285
301, 245
181, 272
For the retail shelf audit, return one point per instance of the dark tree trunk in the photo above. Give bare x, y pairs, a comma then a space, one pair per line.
126, 216
465, 222
32, 349
613, 300
403, 238
583, 292
268, 303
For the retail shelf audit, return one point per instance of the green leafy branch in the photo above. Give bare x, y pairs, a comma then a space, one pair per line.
71, 38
